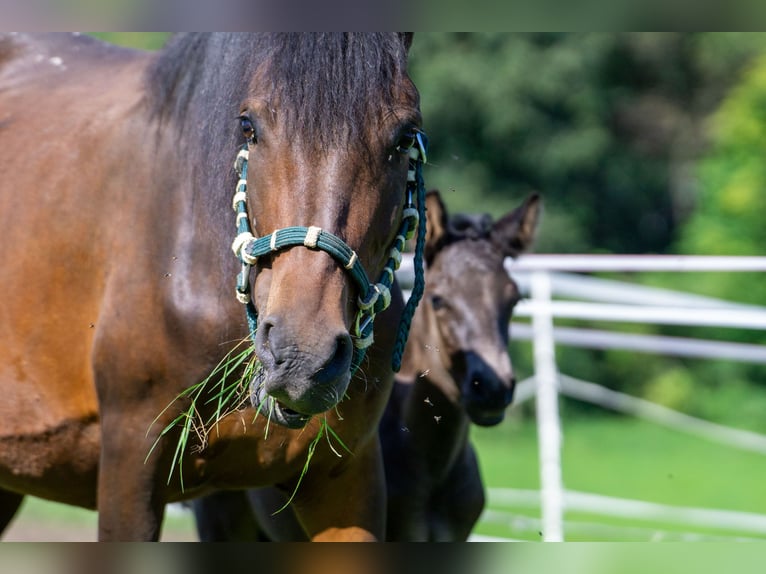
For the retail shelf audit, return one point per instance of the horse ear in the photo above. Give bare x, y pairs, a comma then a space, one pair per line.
406, 40
515, 232
436, 224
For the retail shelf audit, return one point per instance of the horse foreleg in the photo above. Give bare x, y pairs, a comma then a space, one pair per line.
348, 503
459, 502
275, 523
130, 507
9, 505
225, 516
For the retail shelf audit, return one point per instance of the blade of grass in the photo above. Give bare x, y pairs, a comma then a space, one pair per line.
330, 431
309, 456
225, 397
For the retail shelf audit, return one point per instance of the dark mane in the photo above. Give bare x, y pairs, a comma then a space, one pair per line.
469, 226
171, 77
324, 83
475, 231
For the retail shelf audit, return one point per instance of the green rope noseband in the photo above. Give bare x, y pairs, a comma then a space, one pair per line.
374, 297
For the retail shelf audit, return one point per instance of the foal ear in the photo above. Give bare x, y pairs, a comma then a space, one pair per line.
436, 224
406, 40
514, 233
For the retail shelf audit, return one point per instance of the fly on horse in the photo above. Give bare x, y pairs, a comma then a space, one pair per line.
456, 371
119, 282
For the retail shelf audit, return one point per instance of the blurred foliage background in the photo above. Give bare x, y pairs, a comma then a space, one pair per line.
638, 143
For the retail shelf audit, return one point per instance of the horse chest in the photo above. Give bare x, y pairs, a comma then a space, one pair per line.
243, 454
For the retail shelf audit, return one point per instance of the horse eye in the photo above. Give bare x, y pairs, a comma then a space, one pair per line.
406, 141
248, 129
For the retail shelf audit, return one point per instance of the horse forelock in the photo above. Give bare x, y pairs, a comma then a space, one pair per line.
329, 86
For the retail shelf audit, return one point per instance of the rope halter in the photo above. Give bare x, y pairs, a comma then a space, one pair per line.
374, 297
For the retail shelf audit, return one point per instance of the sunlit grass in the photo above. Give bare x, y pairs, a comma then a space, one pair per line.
624, 458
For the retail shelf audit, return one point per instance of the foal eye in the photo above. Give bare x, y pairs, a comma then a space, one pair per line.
438, 302
248, 129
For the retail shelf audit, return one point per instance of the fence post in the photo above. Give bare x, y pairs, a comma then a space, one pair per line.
548, 423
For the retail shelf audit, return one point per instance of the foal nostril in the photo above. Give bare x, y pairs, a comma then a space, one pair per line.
339, 360
489, 389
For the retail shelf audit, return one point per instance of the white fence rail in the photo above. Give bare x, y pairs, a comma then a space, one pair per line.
648, 511
542, 277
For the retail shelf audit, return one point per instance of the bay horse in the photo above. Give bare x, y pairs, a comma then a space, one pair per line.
119, 282
456, 371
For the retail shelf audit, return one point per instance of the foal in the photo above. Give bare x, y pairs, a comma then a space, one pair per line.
455, 371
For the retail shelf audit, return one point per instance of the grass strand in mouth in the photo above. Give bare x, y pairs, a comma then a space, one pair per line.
228, 397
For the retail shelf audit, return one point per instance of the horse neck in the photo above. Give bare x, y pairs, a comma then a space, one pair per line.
423, 354
433, 404
192, 157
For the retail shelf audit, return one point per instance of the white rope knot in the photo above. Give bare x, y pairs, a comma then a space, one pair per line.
243, 155
364, 343
370, 300
312, 236
390, 272
273, 241
238, 197
413, 213
384, 292
247, 258
239, 243
396, 255
351, 261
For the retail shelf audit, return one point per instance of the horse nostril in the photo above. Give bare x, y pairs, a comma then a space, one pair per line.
264, 340
339, 360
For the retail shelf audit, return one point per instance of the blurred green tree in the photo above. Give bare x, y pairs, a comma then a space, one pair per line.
139, 40
605, 125
728, 218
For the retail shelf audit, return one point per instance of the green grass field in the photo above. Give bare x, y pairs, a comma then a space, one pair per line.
625, 458
43, 521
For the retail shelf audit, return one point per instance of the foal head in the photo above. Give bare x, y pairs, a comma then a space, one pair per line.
329, 120
469, 299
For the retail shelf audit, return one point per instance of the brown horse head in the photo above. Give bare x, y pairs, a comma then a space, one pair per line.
328, 120
469, 299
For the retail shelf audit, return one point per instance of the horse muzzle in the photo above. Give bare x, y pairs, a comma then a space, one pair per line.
297, 381
274, 410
